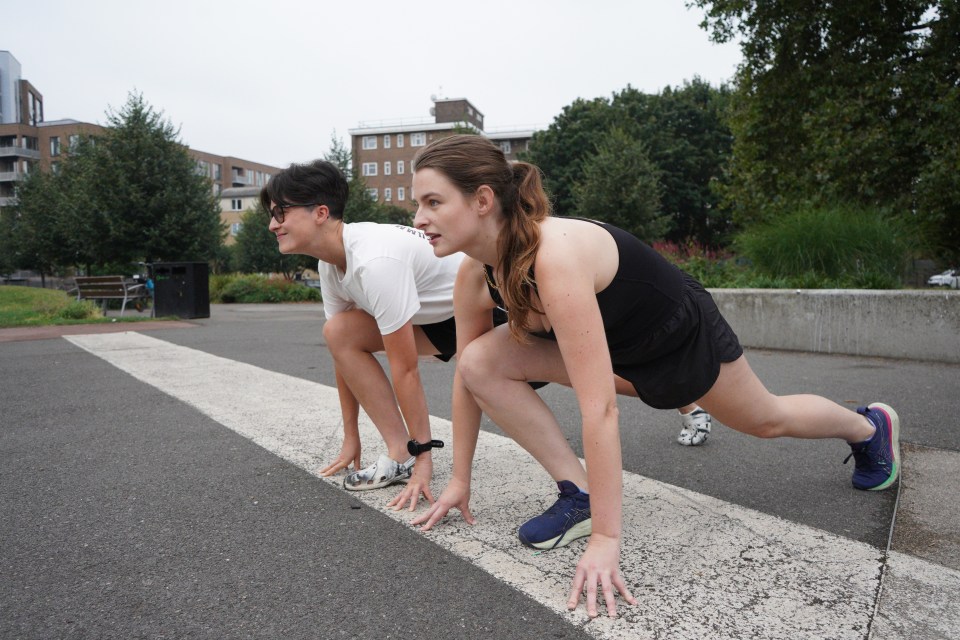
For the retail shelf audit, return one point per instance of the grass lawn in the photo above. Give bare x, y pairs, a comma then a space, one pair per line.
33, 307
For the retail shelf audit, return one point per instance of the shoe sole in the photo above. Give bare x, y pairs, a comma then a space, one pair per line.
373, 486
691, 441
577, 531
894, 421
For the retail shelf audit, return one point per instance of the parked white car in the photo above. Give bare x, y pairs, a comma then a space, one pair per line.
949, 278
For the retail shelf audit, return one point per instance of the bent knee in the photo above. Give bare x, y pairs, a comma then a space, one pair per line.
350, 329
335, 329
476, 365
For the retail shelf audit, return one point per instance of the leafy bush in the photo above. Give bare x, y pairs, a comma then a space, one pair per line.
830, 247
258, 289
78, 310
711, 267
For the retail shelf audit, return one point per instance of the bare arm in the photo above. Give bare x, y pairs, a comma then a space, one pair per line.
401, 349
567, 290
473, 312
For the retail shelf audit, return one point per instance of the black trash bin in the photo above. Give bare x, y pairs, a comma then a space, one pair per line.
181, 289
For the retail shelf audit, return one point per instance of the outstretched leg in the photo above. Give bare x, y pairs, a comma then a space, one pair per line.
740, 400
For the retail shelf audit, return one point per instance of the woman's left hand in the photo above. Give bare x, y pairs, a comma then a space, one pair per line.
419, 483
599, 564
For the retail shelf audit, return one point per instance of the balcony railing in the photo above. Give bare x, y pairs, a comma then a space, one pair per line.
19, 152
9, 176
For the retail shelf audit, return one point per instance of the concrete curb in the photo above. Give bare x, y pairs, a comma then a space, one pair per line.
912, 325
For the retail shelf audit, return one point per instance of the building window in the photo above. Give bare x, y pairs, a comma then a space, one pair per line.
55, 167
399, 167
399, 139
74, 141
386, 141
505, 146
369, 142
387, 194
369, 168
235, 228
373, 193
401, 195
386, 168
236, 204
54, 145
418, 139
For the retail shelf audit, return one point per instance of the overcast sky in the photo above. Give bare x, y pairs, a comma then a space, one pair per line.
272, 81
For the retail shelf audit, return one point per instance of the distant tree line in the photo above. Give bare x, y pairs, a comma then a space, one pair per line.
847, 109
133, 195
129, 195
645, 162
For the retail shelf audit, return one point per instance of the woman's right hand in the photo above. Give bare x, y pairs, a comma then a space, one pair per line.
455, 496
349, 452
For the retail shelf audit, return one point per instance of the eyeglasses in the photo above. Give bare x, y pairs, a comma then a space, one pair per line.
278, 211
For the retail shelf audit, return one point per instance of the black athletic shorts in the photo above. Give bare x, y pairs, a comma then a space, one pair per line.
682, 358
443, 336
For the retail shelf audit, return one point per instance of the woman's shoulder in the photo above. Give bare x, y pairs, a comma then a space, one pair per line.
572, 248
564, 238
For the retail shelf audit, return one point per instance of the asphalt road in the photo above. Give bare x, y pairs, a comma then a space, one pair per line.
129, 514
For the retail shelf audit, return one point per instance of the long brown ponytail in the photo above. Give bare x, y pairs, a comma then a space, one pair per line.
470, 162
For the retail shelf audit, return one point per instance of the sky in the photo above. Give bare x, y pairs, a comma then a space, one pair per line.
275, 81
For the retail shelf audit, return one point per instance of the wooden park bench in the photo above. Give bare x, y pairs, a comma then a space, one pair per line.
109, 288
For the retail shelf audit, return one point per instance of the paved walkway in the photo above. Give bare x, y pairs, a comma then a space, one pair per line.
702, 565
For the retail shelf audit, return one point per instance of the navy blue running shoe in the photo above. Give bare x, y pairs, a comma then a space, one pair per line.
561, 524
878, 459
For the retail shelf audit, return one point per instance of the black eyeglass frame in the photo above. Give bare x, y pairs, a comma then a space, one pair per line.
278, 211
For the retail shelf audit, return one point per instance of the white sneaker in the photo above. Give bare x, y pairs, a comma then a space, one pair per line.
384, 472
696, 428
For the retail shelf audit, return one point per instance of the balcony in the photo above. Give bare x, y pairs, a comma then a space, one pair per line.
7, 151
6, 201
10, 176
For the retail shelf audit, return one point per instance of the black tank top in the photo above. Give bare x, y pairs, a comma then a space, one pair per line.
645, 292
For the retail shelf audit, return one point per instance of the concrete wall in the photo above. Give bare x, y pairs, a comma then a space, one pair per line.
914, 325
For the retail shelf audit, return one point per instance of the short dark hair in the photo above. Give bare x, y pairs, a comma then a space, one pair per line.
319, 181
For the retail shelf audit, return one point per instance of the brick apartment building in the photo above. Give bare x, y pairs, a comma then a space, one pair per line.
28, 143
383, 151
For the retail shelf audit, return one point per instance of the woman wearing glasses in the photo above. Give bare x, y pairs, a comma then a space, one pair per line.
383, 290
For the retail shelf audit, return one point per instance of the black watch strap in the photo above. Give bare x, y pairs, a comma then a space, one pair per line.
415, 448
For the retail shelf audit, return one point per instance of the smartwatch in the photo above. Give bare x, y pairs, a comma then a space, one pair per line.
415, 448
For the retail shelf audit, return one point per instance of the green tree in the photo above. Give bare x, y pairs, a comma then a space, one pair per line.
156, 205
131, 194
619, 185
686, 138
29, 228
562, 148
844, 102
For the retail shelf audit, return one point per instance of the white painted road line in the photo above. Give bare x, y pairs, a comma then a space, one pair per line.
701, 567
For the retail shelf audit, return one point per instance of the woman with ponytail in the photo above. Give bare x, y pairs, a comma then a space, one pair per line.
592, 307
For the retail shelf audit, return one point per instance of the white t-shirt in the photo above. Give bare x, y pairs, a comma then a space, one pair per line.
391, 274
